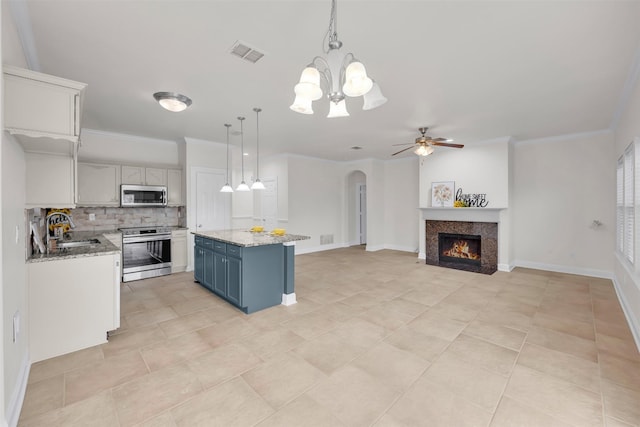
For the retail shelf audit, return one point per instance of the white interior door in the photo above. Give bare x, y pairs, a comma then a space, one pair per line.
212, 207
269, 203
362, 212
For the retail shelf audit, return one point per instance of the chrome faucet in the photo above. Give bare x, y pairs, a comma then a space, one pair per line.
48, 220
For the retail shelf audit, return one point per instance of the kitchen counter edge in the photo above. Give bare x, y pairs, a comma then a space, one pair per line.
105, 247
246, 238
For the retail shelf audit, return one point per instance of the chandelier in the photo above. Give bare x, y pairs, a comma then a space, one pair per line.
341, 75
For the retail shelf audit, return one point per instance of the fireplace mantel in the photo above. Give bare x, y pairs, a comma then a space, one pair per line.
463, 214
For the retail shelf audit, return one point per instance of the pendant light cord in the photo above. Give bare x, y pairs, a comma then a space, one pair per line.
228, 174
242, 145
332, 31
257, 110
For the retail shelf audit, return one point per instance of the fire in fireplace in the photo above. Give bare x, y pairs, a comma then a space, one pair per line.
459, 248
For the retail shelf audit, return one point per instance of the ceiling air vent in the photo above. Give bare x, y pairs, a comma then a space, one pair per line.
242, 50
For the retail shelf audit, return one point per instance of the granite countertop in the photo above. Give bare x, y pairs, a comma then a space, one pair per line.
105, 247
246, 238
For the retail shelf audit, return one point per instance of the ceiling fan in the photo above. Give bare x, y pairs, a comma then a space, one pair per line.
425, 144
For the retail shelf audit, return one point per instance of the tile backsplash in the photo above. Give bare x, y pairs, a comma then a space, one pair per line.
114, 218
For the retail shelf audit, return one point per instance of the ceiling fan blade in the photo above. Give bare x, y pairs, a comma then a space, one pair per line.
408, 148
446, 144
407, 143
439, 139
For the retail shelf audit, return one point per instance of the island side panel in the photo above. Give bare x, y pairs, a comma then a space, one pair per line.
262, 277
289, 296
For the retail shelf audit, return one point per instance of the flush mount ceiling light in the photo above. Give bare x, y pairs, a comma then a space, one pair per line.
172, 101
341, 75
227, 187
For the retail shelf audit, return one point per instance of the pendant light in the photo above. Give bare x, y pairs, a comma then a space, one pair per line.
227, 187
243, 185
337, 76
257, 185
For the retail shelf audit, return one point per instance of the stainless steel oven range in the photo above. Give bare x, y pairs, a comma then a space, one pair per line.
146, 252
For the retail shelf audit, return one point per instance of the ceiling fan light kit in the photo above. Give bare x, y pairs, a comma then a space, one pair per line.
425, 144
174, 102
341, 75
424, 150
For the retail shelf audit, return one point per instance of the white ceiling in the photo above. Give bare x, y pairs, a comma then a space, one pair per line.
471, 70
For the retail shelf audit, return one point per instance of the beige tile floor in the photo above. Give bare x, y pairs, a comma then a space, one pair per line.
375, 339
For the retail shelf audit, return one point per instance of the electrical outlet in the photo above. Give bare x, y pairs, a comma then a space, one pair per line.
92, 217
16, 325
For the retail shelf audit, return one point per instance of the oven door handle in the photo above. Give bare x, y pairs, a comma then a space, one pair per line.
147, 238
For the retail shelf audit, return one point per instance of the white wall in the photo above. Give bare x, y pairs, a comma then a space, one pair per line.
627, 279
480, 167
316, 197
562, 185
14, 358
277, 167
14, 289
315, 201
123, 148
401, 214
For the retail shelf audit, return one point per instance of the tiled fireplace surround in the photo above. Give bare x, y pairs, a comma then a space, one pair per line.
454, 219
488, 232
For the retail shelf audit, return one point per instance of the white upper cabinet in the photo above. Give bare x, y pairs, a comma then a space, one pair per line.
132, 175
155, 176
174, 187
44, 108
98, 184
138, 175
50, 181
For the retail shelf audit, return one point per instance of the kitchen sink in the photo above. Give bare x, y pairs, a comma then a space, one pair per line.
78, 243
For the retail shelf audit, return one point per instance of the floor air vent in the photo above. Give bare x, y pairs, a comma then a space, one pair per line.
246, 52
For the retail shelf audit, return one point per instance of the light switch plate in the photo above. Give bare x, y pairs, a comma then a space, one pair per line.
92, 217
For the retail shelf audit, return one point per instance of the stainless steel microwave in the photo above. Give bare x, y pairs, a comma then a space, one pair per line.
143, 195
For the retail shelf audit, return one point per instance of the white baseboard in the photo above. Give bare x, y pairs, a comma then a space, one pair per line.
17, 395
289, 299
374, 248
422, 255
401, 248
505, 267
634, 323
603, 274
302, 251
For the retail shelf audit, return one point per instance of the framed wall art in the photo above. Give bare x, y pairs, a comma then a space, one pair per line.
443, 194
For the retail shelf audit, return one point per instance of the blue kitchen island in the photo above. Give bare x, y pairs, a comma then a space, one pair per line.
251, 270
